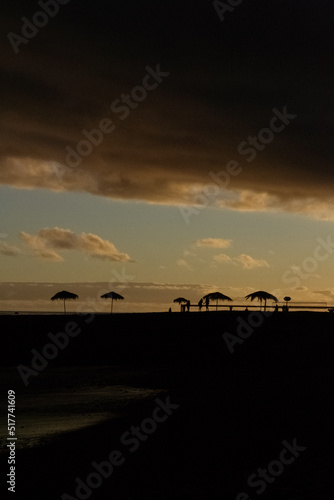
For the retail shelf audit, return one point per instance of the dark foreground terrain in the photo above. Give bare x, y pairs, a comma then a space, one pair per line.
229, 416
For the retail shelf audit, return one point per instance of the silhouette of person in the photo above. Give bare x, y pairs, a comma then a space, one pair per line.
207, 303
188, 305
200, 304
246, 310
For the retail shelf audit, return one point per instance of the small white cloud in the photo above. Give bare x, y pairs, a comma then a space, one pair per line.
248, 262
8, 250
222, 258
187, 253
243, 260
214, 242
183, 263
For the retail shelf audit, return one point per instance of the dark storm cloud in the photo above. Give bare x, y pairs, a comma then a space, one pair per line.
225, 79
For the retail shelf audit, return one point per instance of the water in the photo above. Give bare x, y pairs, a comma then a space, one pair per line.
68, 398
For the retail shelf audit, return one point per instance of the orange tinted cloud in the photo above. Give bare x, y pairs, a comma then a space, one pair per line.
49, 241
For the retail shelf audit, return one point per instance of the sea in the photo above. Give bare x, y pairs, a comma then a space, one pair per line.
65, 399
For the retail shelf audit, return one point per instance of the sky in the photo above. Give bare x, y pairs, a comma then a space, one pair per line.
165, 149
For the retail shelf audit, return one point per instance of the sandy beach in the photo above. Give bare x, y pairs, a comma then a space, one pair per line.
208, 420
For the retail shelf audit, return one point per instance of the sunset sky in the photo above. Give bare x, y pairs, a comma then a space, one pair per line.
161, 149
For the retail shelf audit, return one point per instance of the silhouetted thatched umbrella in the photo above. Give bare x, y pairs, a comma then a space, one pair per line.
113, 296
261, 296
217, 296
180, 300
63, 295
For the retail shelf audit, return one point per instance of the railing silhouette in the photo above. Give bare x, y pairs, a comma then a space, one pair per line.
281, 305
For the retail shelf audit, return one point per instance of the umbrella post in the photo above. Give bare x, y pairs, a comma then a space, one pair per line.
64, 307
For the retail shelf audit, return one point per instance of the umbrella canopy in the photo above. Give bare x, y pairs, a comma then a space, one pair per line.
113, 296
217, 296
261, 296
180, 300
64, 295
